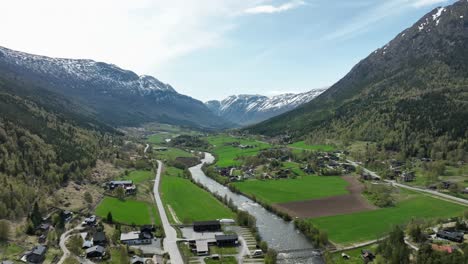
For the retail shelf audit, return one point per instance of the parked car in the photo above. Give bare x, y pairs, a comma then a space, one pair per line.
257, 253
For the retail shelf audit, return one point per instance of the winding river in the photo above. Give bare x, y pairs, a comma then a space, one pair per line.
280, 235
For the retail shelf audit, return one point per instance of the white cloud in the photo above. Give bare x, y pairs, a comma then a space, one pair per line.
270, 9
141, 35
422, 3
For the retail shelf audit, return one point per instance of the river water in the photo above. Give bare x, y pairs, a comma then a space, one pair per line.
280, 235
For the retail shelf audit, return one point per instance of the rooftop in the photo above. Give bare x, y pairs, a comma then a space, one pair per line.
130, 236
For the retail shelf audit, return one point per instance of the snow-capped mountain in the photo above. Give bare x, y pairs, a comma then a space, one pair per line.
249, 109
115, 95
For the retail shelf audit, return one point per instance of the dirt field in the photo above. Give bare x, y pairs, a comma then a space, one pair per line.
342, 204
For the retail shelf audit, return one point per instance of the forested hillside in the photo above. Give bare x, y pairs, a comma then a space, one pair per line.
45, 140
410, 95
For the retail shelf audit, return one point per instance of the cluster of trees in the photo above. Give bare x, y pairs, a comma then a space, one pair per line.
188, 141
393, 249
379, 194
317, 236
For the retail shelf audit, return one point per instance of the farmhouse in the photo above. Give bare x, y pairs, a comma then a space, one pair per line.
44, 227
36, 255
95, 252
207, 226
227, 240
114, 184
135, 238
128, 186
367, 256
407, 176
99, 238
452, 236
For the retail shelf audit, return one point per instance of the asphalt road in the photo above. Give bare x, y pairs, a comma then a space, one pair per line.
444, 196
170, 241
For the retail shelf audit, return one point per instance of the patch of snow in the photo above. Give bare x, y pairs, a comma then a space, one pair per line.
438, 13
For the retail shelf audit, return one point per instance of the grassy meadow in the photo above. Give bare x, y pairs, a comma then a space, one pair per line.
369, 225
226, 154
190, 202
139, 176
303, 145
128, 211
289, 190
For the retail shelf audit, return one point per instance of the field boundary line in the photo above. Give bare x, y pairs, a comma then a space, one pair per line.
173, 214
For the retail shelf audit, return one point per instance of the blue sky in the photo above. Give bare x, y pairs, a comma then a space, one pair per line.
210, 49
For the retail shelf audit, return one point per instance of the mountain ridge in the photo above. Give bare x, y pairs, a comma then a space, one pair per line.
407, 95
245, 109
117, 96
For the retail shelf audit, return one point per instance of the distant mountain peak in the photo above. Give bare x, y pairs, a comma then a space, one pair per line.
246, 109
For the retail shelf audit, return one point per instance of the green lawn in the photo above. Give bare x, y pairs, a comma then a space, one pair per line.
226, 155
11, 251
364, 226
128, 211
223, 260
190, 202
299, 189
159, 138
139, 176
172, 154
354, 254
303, 145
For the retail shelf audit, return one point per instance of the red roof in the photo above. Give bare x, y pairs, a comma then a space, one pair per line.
442, 248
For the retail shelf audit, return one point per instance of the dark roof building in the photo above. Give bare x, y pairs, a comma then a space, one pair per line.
207, 226
99, 238
227, 240
37, 254
367, 256
95, 252
452, 236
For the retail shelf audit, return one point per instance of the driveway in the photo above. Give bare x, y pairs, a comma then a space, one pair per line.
170, 242
63, 241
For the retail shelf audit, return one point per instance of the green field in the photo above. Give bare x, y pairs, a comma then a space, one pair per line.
303, 145
223, 260
226, 155
190, 202
172, 154
371, 225
138, 176
288, 190
128, 211
159, 138
354, 254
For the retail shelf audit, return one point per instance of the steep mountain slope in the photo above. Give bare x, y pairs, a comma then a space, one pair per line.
116, 96
407, 95
45, 140
250, 109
